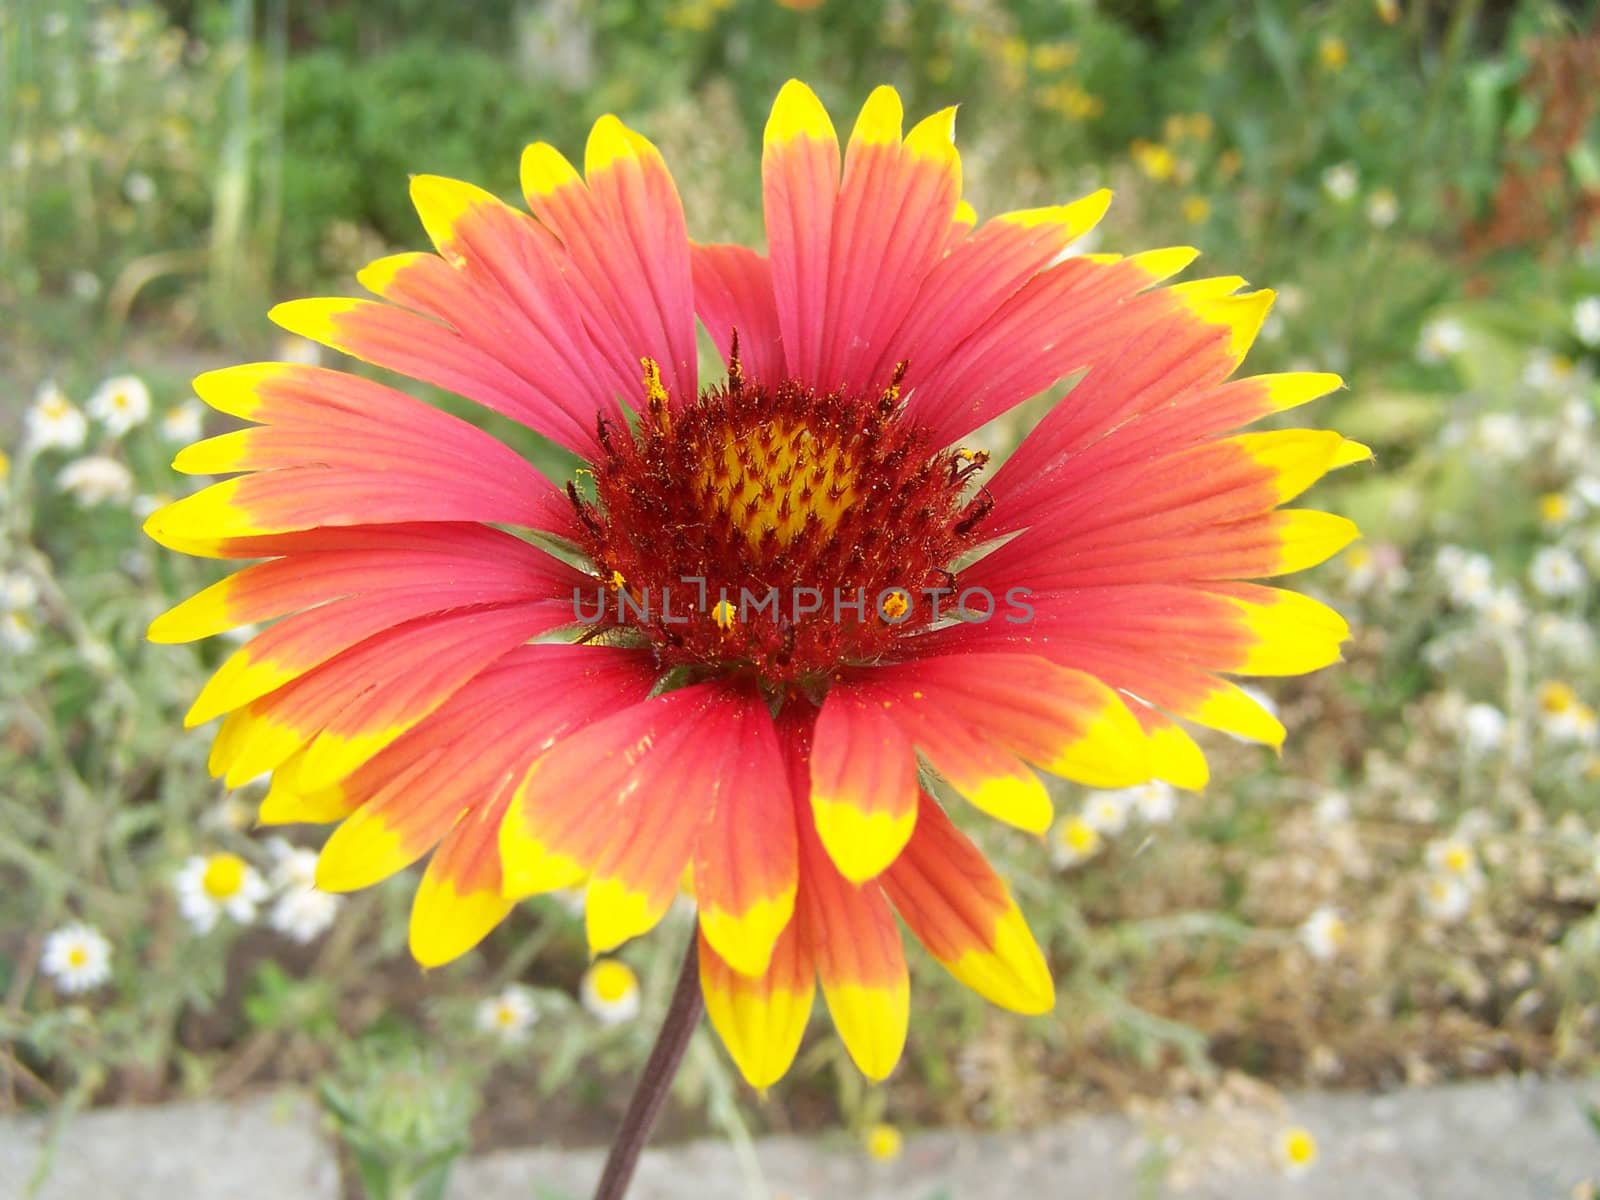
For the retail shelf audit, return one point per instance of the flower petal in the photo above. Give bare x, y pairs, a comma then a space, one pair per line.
966, 287
733, 295
761, 1019
622, 229
893, 215
964, 914
799, 188
406, 797
745, 858
460, 898
853, 936
352, 706
370, 561
1065, 721
863, 784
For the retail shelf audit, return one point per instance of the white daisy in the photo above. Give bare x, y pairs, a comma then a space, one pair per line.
1155, 802
139, 188
1586, 320
1504, 437
1073, 841
17, 631
1383, 208
120, 403
53, 422
610, 991
183, 423
1296, 1149
1445, 898
77, 958
1555, 571
1324, 934
211, 885
509, 1015
1331, 809
18, 591
1504, 611
96, 479
1108, 811
1575, 724
302, 912
1441, 340
1483, 728
1341, 181
1565, 638
1454, 857
1468, 577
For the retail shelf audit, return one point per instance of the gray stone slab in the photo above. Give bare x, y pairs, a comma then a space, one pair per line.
1502, 1140
263, 1149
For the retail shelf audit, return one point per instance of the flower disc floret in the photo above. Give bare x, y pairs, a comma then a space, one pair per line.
776, 530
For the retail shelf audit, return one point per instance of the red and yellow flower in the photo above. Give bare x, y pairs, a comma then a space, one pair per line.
427, 684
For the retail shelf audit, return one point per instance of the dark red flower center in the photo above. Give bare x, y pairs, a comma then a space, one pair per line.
775, 529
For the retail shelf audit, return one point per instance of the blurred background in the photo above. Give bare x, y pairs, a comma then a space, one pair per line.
1407, 895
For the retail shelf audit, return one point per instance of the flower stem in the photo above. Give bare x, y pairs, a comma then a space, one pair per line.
650, 1093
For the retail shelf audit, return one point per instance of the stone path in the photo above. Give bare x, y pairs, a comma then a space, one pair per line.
1500, 1140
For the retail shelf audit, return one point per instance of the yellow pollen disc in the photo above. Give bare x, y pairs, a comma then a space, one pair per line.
776, 477
1079, 836
224, 876
77, 957
612, 980
1299, 1147
1556, 697
1458, 859
895, 606
883, 1142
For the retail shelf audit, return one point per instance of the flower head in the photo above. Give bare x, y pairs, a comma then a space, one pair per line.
1586, 321
508, 1015
1446, 898
1296, 1150
53, 422
210, 886
18, 631
1324, 934
120, 403
1442, 339
302, 911
1108, 812
883, 1142
183, 423
1155, 802
610, 991
1332, 52
1555, 572
779, 589
1454, 858
1383, 208
1483, 728
77, 958
1074, 840
1341, 182
96, 479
